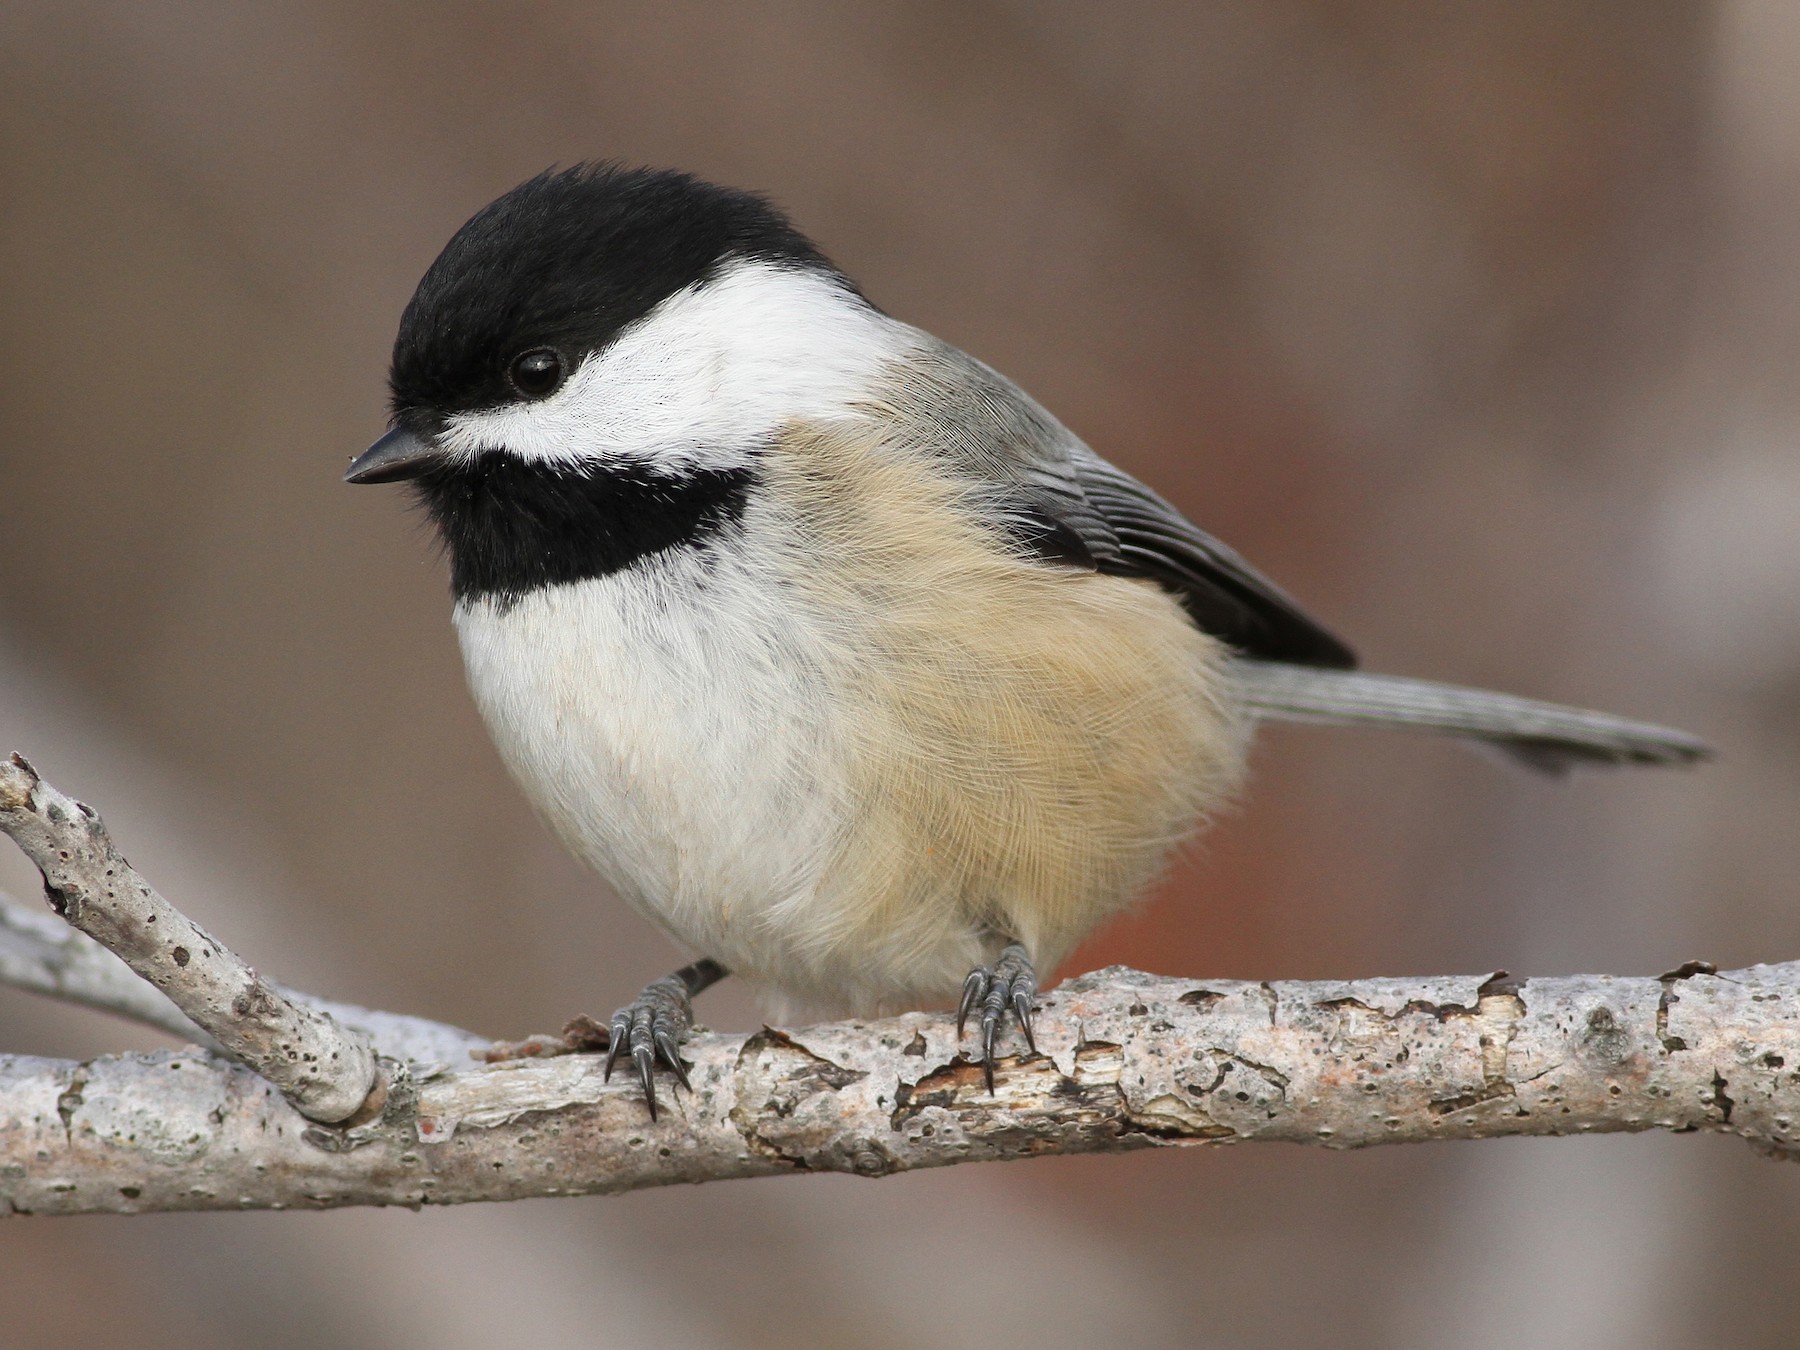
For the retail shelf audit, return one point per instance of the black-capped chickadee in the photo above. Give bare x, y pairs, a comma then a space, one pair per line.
833, 651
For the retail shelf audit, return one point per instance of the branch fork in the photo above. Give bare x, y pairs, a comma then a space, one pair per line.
293, 1101
326, 1070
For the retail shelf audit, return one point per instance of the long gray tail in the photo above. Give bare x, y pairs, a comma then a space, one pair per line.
1545, 736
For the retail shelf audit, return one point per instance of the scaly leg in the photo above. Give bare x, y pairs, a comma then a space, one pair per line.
654, 1024
1009, 983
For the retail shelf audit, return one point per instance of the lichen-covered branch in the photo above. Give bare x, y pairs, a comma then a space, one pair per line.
1129, 1061
326, 1070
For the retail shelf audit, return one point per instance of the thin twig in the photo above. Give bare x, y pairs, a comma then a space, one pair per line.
40, 952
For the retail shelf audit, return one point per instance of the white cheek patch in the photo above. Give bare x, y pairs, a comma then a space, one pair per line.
704, 378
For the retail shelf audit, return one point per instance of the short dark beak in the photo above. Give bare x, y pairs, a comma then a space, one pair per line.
396, 456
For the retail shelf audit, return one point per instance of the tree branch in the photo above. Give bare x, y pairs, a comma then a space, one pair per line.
1131, 1061
40, 952
327, 1070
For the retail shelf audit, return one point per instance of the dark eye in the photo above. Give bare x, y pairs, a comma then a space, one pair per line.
537, 373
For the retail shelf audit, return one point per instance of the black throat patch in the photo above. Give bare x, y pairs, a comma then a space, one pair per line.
512, 528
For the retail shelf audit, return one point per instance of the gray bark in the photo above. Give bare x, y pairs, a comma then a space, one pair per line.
1129, 1060
40, 952
327, 1070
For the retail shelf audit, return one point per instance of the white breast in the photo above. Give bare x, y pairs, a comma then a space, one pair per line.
668, 723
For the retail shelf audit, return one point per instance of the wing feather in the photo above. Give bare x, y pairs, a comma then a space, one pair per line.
1062, 502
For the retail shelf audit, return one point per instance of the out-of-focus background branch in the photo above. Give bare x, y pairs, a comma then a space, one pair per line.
1474, 325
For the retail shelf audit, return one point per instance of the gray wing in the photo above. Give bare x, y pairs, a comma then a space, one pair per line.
1064, 503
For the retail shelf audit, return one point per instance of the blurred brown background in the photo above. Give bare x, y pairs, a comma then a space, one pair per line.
1475, 325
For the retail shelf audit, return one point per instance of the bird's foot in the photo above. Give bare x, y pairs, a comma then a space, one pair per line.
650, 1028
1010, 983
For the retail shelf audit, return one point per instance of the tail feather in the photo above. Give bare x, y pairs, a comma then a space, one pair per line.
1546, 736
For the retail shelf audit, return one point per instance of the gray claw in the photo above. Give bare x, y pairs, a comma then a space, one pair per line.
973, 987
645, 1059
665, 1045
621, 1025
990, 1024
1022, 1013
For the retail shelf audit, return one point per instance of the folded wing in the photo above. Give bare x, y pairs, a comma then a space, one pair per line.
1067, 505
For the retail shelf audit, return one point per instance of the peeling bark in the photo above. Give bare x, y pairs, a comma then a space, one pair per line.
1130, 1061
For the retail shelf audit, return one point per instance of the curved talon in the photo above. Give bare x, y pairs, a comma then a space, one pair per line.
621, 1026
666, 1047
1022, 1013
645, 1059
973, 988
650, 1029
990, 1024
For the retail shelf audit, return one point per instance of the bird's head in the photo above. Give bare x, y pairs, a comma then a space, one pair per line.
600, 317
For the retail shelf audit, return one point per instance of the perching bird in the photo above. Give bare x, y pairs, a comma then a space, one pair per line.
833, 651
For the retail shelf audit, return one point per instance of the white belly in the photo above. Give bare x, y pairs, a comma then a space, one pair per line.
671, 730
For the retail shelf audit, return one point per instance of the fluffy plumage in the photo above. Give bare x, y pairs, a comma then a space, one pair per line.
854, 745
835, 652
